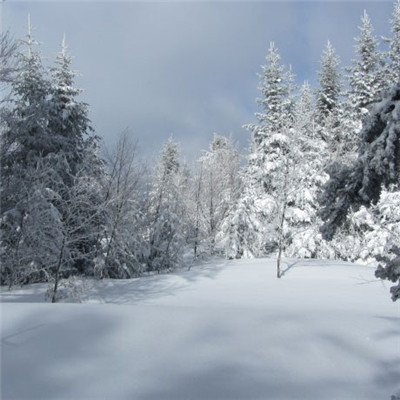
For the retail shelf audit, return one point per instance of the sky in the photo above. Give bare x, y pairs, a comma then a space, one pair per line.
186, 68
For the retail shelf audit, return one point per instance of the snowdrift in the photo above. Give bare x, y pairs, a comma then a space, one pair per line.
224, 330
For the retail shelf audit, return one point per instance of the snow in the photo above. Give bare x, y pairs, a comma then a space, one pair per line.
223, 330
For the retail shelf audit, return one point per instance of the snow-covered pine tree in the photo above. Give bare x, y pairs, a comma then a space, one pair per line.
394, 45
32, 231
309, 156
267, 144
38, 138
77, 147
25, 140
367, 78
242, 229
332, 124
166, 242
328, 93
367, 81
361, 183
275, 87
25, 136
69, 121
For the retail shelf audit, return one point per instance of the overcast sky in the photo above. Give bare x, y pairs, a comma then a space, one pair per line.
186, 68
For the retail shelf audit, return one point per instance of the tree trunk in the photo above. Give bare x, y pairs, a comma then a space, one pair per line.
278, 263
281, 223
60, 258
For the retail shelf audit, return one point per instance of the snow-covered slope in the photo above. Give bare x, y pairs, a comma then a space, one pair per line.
224, 330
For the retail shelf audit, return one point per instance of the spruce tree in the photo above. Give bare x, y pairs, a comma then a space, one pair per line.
327, 98
309, 152
366, 74
26, 136
266, 161
361, 183
47, 156
79, 163
69, 121
248, 226
25, 141
394, 43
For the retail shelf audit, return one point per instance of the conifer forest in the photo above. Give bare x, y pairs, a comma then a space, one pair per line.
265, 265
320, 179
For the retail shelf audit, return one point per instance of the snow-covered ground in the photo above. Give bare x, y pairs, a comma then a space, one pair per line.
224, 330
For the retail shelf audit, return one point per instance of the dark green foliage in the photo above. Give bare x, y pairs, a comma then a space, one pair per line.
377, 165
389, 269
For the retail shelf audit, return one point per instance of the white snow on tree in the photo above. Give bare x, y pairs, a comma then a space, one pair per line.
165, 220
367, 78
393, 73
38, 138
327, 95
219, 189
360, 184
269, 141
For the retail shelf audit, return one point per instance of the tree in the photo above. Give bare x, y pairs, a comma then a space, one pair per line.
194, 212
309, 154
124, 201
219, 183
25, 136
394, 45
267, 145
77, 145
46, 134
276, 103
361, 183
32, 231
366, 74
243, 232
8, 62
165, 240
25, 141
69, 121
327, 101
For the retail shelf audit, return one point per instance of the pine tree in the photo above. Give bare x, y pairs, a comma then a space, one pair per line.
25, 140
310, 152
40, 128
394, 42
78, 149
366, 74
275, 101
327, 101
25, 137
266, 161
243, 232
69, 121
361, 183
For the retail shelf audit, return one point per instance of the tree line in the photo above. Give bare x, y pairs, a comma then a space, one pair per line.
320, 179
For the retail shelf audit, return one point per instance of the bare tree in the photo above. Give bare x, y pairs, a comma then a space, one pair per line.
8, 61
124, 195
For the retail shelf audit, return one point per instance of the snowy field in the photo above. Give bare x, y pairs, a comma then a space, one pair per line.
224, 330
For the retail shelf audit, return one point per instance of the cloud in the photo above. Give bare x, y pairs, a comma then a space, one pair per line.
189, 69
